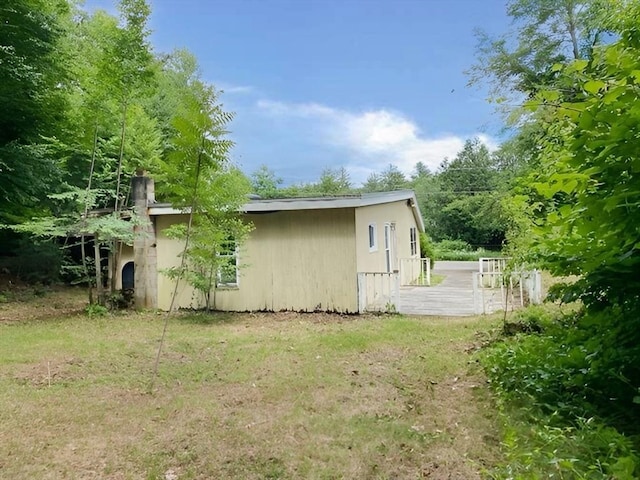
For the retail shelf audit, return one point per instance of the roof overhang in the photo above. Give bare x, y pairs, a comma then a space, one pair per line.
314, 203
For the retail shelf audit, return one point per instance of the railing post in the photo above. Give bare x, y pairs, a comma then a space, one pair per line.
396, 294
362, 293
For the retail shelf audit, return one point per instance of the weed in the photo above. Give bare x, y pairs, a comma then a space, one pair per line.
96, 310
566, 397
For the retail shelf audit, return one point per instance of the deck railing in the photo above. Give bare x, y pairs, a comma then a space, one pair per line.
492, 264
493, 291
378, 292
415, 271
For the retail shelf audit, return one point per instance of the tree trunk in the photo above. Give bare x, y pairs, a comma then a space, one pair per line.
99, 287
83, 243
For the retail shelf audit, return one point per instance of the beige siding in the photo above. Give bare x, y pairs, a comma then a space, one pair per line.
295, 260
397, 212
126, 256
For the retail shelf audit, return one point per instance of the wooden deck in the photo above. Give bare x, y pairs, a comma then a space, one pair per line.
453, 297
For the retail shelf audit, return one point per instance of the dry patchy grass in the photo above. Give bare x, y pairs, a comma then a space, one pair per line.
250, 396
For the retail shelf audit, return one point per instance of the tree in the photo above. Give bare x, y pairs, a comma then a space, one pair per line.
388, 180
472, 171
584, 215
334, 182
265, 183
546, 33
463, 200
33, 100
199, 179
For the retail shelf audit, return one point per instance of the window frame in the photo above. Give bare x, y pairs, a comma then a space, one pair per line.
413, 241
229, 254
372, 232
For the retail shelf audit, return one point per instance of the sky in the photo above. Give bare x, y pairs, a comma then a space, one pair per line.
318, 84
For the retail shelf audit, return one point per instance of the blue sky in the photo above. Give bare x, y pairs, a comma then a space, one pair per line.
357, 84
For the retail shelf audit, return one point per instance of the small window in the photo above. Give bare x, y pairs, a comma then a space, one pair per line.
413, 239
228, 265
373, 238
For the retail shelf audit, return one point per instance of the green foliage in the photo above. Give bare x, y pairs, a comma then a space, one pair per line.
464, 200
459, 250
265, 183
35, 262
427, 248
545, 33
568, 396
388, 180
588, 187
199, 179
96, 310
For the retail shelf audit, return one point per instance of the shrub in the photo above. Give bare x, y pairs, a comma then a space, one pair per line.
576, 380
427, 249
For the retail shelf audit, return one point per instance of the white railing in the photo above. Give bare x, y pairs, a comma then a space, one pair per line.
415, 271
378, 292
492, 264
493, 291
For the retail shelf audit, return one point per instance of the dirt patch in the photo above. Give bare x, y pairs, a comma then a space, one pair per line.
27, 303
50, 372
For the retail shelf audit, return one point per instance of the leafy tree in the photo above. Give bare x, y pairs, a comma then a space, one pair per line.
265, 183
32, 74
463, 200
588, 177
583, 211
388, 180
334, 182
472, 171
199, 179
546, 33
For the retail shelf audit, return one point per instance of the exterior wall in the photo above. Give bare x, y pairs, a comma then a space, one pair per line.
292, 260
399, 213
126, 256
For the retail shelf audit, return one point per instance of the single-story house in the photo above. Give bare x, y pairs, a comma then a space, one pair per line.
304, 254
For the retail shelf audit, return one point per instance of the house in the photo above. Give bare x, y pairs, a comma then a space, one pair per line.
304, 254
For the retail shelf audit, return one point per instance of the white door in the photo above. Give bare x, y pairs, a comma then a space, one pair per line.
390, 246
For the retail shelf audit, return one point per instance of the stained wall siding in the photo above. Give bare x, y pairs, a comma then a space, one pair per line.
399, 213
296, 260
169, 251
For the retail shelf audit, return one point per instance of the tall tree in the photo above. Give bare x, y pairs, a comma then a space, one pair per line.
265, 183
388, 180
199, 179
545, 33
32, 79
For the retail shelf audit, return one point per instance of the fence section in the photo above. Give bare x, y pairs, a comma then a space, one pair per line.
415, 271
378, 292
492, 264
497, 290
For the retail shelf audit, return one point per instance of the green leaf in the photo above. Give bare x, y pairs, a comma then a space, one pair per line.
594, 86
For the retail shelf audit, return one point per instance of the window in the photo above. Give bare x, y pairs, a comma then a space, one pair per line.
373, 238
413, 239
228, 265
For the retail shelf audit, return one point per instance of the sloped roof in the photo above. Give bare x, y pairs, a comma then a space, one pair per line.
316, 203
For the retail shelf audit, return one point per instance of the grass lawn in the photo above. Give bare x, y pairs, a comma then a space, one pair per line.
247, 396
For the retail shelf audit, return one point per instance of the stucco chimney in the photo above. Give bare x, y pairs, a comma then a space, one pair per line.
144, 243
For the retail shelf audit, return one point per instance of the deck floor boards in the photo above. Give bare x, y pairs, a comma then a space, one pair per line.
453, 297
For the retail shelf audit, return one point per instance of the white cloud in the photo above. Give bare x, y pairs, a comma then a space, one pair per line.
373, 139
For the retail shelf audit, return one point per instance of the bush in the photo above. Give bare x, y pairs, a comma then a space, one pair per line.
454, 245
577, 380
427, 248
34, 261
459, 250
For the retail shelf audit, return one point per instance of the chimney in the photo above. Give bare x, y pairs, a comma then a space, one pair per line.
144, 243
